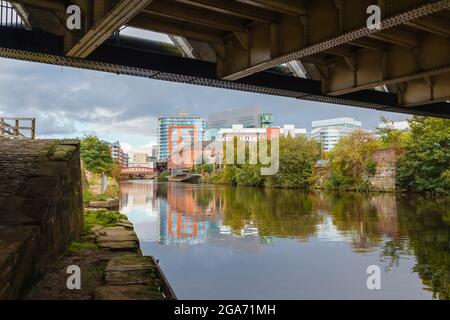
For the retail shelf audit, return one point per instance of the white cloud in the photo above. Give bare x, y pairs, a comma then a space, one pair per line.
141, 125
131, 149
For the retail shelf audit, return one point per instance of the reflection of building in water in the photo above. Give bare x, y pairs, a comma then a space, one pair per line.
184, 218
194, 201
178, 228
137, 193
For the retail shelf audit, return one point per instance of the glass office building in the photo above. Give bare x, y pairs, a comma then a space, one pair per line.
172, 128
329, 132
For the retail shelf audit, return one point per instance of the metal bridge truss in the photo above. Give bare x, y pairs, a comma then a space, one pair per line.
402, 67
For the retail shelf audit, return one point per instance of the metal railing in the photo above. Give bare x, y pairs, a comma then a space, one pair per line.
9, 17
15, 128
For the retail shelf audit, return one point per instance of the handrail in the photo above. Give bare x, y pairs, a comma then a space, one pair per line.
16, 129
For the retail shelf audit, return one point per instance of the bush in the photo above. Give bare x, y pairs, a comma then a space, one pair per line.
425, 164
351, 161
297, 159
163, 176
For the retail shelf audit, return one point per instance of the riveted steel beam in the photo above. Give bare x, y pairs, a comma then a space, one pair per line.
291, 7
234, 8
392, 81
111, 57
119, 15
234, 71
194, 15
188, 30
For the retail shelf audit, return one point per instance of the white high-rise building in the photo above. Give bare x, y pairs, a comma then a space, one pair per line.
255, 134
329, 132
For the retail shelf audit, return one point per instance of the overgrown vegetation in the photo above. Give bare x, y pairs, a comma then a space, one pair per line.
425, 164
297, 158
112, 191
96, 155
103, 218
76, 246
390, 137
351, 162
163, 176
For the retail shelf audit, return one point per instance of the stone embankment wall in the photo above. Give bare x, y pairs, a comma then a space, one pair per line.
384, 178
41, 208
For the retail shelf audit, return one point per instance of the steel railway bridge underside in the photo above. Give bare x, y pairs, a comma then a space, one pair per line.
317, 50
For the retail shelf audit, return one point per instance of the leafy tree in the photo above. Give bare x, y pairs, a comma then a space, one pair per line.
297, 158
115, 171
96, 155
351, 161
248, 175
425, 164
390, 137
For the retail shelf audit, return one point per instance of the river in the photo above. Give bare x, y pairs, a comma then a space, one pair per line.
221, 242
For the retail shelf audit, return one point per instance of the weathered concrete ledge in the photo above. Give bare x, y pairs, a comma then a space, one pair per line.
41, 208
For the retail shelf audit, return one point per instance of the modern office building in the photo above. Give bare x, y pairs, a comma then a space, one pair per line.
118, 154
248, 117
255, 134
178, 129
329, 132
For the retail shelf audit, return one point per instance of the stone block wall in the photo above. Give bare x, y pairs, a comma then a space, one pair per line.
41, 208
386, 170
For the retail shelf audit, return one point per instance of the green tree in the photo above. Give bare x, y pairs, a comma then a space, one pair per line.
390, 137
351, 161
297, 158
425, 164
96, 155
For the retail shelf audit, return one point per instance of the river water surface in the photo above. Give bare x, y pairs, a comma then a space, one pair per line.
220, 242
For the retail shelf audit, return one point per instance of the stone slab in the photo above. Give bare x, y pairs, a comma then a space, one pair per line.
121, 278
119, 246
128, 262
131, 292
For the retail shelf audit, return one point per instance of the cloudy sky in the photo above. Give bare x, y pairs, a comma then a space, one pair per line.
70, 103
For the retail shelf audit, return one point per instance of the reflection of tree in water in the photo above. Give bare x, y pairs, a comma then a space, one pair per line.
427, 223
355, 216
392, 251
278, 213
402, 227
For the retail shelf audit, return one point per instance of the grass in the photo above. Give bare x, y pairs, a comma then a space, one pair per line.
103, 218
112, 191
76, 246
